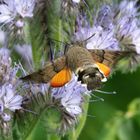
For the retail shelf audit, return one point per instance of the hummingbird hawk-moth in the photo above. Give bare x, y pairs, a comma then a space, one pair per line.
91, 66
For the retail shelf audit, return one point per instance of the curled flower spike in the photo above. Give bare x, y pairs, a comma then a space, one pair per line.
105, 18
100, 39
99, 35
127, 27
9, 98
7, 12
127, 30
114, 28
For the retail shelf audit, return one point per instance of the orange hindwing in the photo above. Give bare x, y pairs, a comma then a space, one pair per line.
105, 69
61, 78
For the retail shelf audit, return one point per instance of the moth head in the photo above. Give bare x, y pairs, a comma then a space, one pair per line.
91, 75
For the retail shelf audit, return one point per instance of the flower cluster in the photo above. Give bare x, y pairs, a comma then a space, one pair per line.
114, 28
13, 15
10, 100
100, 35
14, 11
71, 96
100, 39
66, 100
127, 28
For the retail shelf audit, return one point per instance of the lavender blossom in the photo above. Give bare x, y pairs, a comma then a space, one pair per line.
105, 18
13, 12
25, 7
71, 96
127, 28
114, 28
127, 32
100, 39
9, 98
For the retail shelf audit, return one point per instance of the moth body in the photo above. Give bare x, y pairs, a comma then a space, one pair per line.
91, 66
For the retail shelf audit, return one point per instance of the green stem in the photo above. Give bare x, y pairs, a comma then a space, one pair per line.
26, 29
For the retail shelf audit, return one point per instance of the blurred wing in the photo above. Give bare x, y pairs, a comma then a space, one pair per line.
48, 72
107, 57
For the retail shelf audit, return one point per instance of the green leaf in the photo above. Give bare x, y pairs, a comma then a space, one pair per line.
123, 126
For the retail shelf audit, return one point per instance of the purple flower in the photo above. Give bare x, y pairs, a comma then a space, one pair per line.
71, 96
14, 11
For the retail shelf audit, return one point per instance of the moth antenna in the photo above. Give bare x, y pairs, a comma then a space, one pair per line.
65, 48
104, 92
88, 38
51, 54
